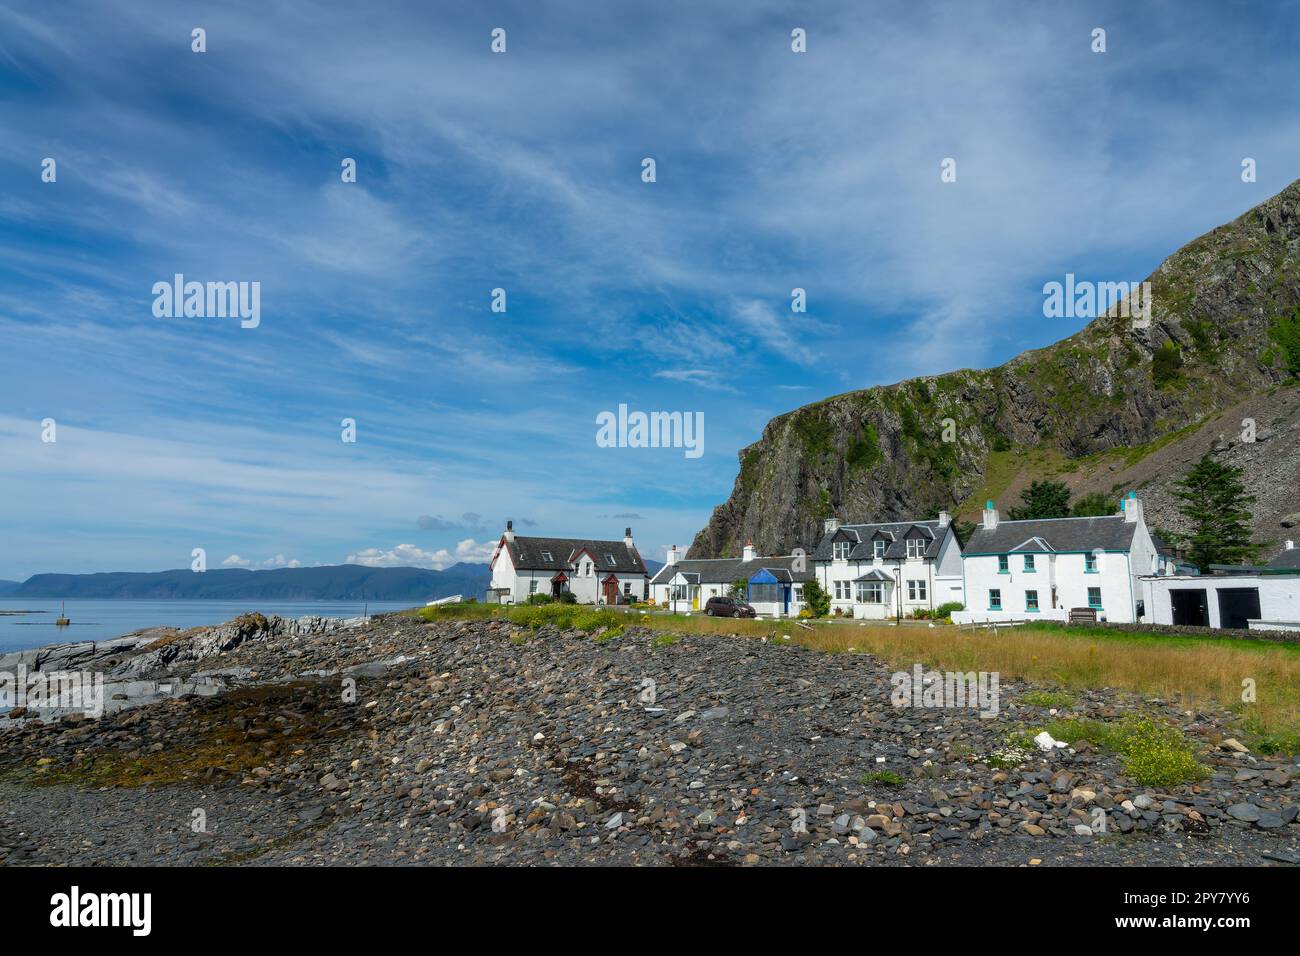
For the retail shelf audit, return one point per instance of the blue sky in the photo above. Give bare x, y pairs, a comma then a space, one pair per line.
522, 171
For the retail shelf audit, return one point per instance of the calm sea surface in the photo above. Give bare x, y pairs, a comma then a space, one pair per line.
97, 620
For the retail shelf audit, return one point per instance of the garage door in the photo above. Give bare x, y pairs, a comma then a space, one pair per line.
1236, 605
1189, 607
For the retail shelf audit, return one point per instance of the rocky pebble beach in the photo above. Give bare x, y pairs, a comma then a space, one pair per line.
399, 741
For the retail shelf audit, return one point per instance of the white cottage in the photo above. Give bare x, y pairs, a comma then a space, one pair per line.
1041, 569
1257, 598
889, 569
773, 585
595, 572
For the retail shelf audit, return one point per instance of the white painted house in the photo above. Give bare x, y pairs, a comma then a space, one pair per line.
773, 585
1257, 598
889, 569
1041, 569
595, 572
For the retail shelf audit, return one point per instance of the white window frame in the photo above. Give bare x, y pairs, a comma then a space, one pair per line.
878, 548
840, 550
915, 548
871, 592
916, 590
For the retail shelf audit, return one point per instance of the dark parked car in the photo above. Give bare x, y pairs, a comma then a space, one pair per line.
728, 607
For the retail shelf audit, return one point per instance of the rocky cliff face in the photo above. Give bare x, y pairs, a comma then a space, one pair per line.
1094, 409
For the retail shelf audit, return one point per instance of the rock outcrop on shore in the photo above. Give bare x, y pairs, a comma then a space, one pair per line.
157, 663
473, 742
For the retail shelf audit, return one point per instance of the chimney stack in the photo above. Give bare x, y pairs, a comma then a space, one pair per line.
943, 519
1132, 507
627, 538
830, 525
749, 551
990, 515
672, 555
510, 531
1290, 544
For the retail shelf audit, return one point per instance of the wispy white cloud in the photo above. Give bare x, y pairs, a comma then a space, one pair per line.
408, 555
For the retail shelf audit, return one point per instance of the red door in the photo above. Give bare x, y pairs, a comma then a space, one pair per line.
611, 590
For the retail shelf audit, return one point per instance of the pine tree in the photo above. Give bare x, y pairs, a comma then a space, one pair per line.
1043, 499
1215, 503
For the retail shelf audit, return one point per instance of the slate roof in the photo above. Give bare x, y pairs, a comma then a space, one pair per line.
726, 570
1107, 532
875, 574
1287, 559
894, 533
529, 554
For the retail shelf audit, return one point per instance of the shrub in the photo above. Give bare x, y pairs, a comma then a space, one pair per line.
567, 597
887, 777
1285, 333
1155, 753
815, 599
946, 609
565, 616
540, 599
864, 451
1166, 364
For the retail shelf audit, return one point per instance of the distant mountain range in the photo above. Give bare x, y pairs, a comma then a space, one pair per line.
343, 582
340, 582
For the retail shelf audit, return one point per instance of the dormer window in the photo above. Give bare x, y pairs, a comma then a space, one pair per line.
915, 547
878, 548
840, 550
